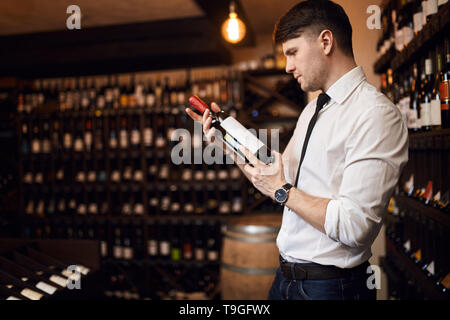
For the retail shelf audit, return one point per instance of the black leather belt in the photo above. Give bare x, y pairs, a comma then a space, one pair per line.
314, 271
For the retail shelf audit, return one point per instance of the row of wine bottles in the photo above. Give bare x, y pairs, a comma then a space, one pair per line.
30, 274
129, 91
421, 91
222, 199
402, 20
111, 132
424, 240
146, 282
426, 195
115, 171
160, 240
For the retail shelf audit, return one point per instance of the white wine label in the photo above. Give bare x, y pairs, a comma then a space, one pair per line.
113, 142
30, 294
407, 245
117, 252
148, 136
104, 248
430, 268
123, 138
425, 113
138, 175
436, 113
408, 34
135, 137
152, 247
46, 287
139, 209
428, 67
59, 280
93, 208
424, 11
213, 255
199, 254
39, 178
78, 145
35, 146
432, 7
128, 253
242, 135
164, 248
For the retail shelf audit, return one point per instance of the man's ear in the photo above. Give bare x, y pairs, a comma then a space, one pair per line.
326, 40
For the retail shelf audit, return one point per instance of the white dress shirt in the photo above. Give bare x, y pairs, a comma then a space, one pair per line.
355, 155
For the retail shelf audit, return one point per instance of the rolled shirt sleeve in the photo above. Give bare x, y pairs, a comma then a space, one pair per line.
376, 152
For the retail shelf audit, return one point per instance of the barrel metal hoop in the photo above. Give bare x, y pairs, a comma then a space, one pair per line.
249, 239
253, 229
250, 271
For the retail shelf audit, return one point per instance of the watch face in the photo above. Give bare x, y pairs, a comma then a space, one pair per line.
281, 195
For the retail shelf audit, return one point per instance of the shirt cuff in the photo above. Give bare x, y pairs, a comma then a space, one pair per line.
332, 220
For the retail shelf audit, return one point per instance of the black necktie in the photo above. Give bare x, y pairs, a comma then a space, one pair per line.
321, 101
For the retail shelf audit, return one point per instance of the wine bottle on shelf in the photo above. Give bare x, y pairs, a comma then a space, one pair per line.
128, 250
132, 100
175, 243
117, 242
163, 239
414, 123
138, 240
212, 242
418, 16
123, 133
152, 242
187, 241
199, 243
435, 95
432, 9
234, 134
445, 87
426, 93
13, 285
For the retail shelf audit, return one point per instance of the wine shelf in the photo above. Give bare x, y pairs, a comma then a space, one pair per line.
416, 273
417, 206
438, 25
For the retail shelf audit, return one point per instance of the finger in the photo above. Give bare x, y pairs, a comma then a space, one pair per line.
194, 116
205, 115
250, 156
207, 125
215, 107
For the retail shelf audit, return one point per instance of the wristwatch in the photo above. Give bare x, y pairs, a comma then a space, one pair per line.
281, 195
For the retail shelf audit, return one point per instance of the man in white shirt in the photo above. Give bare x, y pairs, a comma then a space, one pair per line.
340, 167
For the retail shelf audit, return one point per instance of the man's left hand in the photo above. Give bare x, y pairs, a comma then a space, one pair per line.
266, 178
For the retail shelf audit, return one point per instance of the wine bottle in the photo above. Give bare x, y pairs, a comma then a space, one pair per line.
435, 96
152, 242
445, 87
414, 108
426, 93
432, 9
418, 16
234, 134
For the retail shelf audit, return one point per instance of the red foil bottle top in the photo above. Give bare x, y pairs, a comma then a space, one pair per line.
198, 104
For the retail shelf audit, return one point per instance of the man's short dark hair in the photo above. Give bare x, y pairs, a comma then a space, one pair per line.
315, 16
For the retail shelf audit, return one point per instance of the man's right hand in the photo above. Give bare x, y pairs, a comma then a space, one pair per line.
205, 120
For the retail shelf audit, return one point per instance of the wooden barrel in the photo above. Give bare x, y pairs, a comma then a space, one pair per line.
249, 257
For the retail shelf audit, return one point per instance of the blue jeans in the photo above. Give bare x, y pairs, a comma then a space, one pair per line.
353, 287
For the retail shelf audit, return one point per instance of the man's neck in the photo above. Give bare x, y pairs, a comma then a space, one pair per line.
342, 66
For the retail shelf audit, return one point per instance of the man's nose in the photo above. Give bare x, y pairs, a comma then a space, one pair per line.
290, 67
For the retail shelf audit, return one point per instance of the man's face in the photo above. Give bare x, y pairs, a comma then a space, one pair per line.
305, 60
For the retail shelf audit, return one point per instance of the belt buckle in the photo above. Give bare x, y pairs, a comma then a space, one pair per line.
298, 273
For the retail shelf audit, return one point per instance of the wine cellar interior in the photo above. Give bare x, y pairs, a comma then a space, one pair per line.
103, 169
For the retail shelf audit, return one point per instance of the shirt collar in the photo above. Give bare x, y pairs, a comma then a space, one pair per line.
342, 88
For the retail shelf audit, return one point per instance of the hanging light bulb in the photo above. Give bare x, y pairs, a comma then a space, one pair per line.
233, 29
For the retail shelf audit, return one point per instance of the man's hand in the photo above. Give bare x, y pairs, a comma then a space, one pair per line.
205, 120
266, 178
